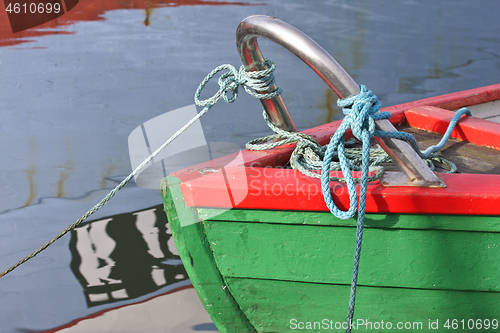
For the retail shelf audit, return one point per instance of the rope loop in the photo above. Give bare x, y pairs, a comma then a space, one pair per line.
262, 83
228, 81
429, 152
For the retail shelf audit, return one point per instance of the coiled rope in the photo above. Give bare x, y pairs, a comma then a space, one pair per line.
260, 81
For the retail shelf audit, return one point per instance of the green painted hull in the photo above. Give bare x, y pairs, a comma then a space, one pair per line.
283, 271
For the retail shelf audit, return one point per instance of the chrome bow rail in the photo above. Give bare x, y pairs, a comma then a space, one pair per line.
416, 170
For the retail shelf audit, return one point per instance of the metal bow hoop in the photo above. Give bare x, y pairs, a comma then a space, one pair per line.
323, 64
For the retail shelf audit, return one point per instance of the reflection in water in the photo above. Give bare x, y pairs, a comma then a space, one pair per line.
30, 174
93, 10
125, 256
178, 310
330, 106
350, 39
148, 12
65, 172
416, 84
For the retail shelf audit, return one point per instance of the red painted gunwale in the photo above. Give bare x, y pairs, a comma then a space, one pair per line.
259, 184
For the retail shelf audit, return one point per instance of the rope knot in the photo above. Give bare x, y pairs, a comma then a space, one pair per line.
359, 111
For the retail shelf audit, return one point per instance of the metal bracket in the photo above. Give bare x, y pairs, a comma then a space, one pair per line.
398, 178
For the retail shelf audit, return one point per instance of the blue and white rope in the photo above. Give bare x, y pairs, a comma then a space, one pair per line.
360, 113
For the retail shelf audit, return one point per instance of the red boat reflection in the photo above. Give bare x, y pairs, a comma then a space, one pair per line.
92, 10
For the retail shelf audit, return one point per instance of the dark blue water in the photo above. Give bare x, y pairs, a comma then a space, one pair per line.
68, 102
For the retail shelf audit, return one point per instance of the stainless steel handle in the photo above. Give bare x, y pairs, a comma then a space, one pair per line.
323, 64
